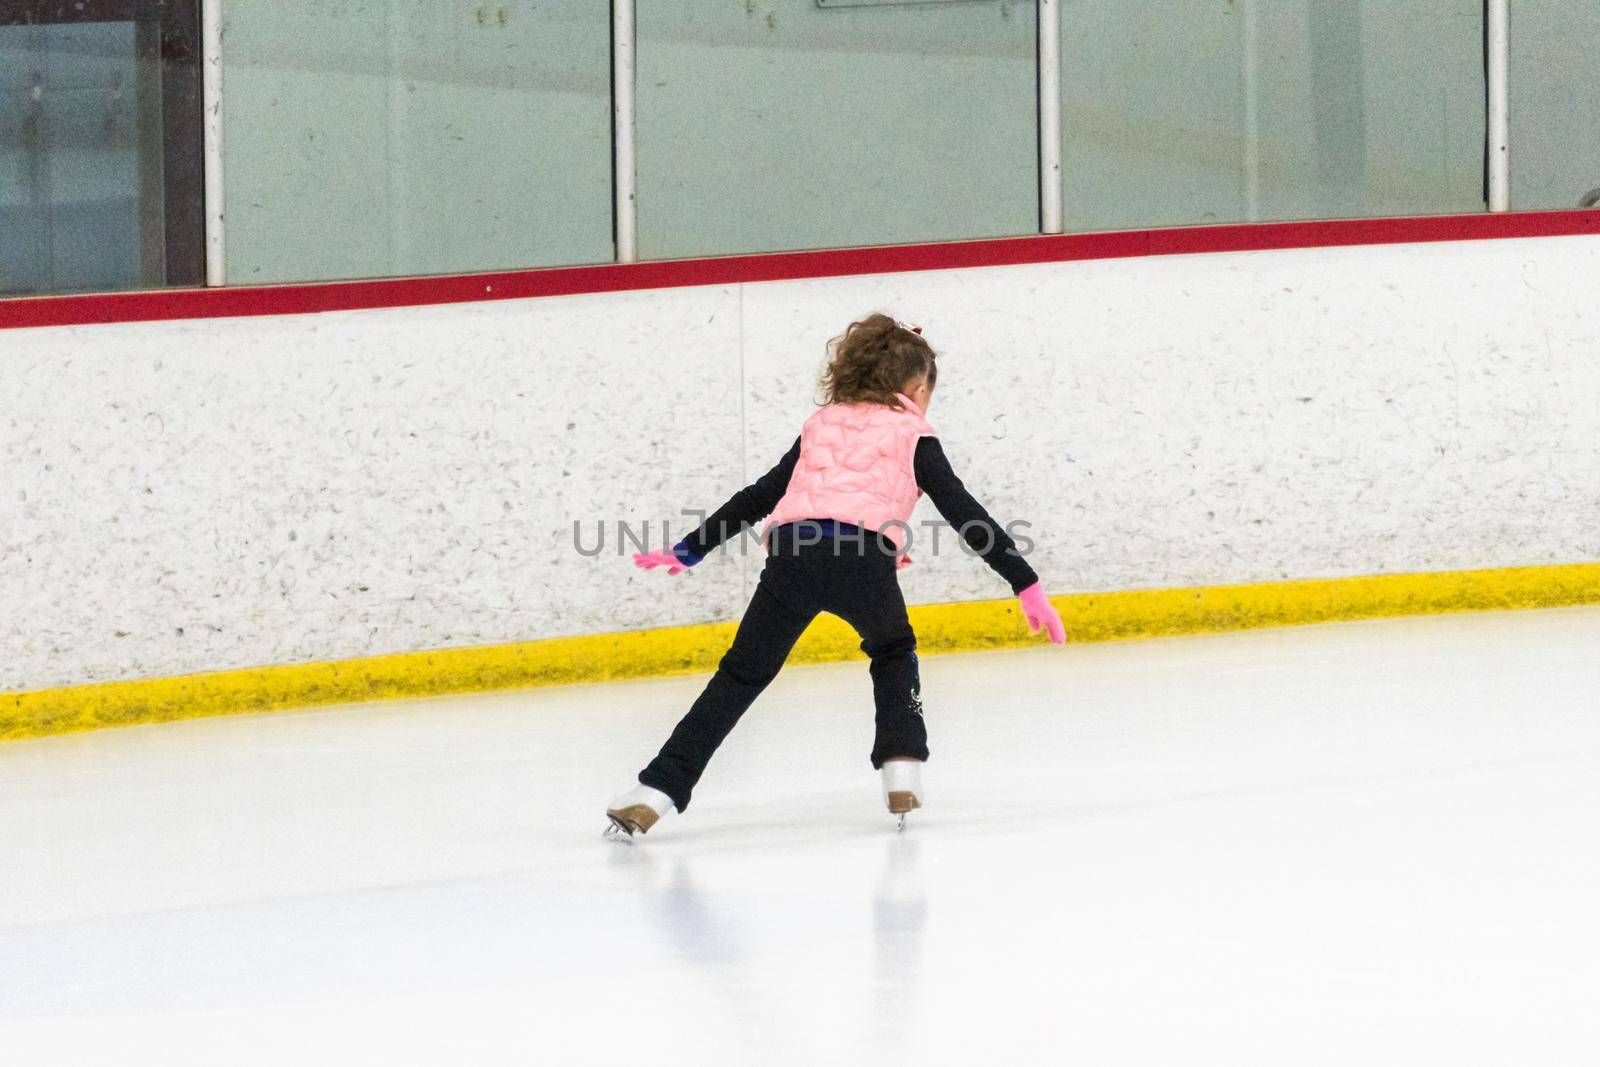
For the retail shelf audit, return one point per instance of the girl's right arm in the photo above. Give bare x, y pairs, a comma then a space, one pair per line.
985, 537
971, 520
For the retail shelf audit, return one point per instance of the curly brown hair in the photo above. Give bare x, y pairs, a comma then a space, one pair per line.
874, 359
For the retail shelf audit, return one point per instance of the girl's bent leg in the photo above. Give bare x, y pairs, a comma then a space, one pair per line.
767, 632
897, 694
877, 611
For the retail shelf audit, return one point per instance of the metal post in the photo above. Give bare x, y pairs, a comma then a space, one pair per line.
1050, 116
211, 102
1498, 29
396, 157
622, 69
1252, 113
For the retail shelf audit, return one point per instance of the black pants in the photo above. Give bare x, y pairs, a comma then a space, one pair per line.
853, 578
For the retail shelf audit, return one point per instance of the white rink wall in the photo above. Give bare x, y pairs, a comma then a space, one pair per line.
200, 495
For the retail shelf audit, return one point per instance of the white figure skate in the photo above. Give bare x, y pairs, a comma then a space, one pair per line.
635, 812
902, 787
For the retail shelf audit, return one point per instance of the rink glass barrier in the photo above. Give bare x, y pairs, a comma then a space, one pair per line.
779, 124
1178, 112
1555, 104
414, 137
101, 157
406, 137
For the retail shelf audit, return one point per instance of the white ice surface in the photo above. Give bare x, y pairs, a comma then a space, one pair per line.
1365, 844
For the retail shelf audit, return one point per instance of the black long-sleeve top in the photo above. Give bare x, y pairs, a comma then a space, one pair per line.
985, 537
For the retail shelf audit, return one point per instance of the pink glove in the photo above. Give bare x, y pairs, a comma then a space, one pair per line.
1038, 610
665, 558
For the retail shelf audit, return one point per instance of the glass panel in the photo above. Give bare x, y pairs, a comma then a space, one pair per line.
777, 124
1555, 104
415, 137
70, 158
1199, 111
100, 149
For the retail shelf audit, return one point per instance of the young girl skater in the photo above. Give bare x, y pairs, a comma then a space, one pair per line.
840, 505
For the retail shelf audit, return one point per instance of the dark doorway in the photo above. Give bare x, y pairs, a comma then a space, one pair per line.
101, 146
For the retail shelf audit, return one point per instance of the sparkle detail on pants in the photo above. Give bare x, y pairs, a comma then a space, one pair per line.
916, 703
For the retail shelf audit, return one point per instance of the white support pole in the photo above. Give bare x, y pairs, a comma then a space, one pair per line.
622, 67
211, 103
1050, 116
396, 157
1252, 113
1499, 42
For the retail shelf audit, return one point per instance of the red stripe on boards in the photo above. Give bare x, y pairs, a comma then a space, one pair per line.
779, 266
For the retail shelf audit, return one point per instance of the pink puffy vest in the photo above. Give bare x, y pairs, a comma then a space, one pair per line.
856, 466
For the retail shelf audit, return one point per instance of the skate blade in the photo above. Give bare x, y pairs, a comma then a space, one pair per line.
618, 831
900, 826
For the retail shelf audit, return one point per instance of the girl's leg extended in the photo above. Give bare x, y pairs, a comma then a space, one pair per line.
874, 606
767, 632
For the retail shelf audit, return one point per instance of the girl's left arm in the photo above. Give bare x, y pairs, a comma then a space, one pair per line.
744, 509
